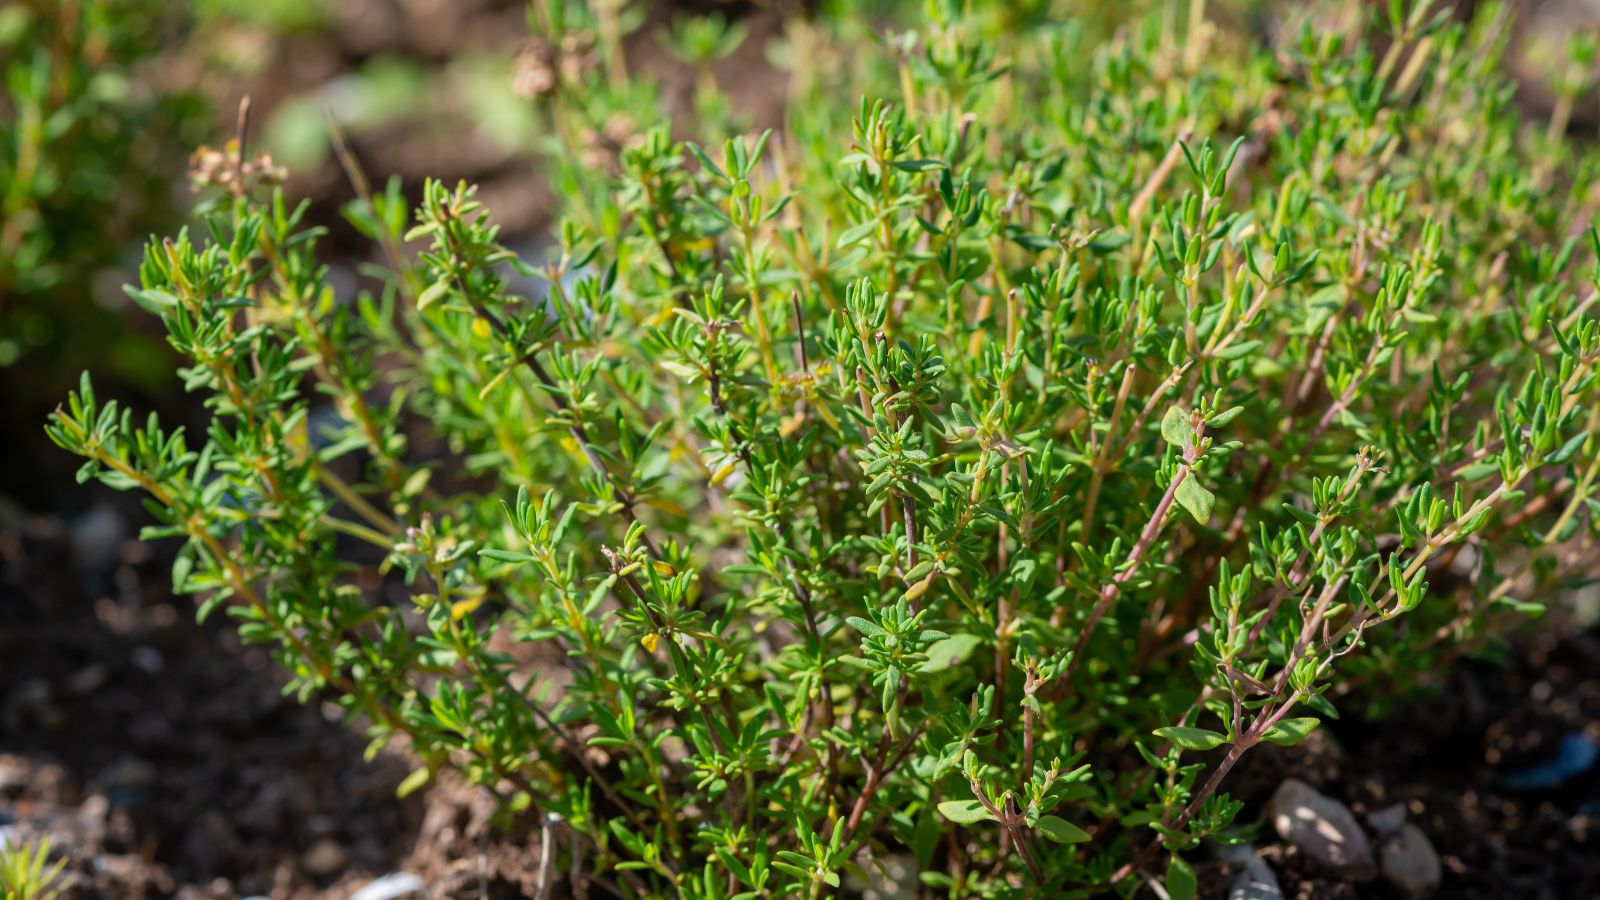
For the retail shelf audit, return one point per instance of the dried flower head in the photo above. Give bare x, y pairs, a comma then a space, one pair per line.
543, 66
213, 168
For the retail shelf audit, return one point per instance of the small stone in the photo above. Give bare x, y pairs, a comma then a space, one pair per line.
96, 535
13, 774
1248, 885
390, 887
1388, 820
326, 858
148, 659
87, 680
1410, 862
1256, 880
1322, 827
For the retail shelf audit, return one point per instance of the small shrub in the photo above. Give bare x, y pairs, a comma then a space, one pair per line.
985, 465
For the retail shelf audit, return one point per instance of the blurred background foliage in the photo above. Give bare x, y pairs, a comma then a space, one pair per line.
90, 139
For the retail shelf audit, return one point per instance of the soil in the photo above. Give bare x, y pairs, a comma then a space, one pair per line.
1444, 755
162, 759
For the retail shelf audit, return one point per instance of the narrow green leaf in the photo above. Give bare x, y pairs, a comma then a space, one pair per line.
1289, 732
1192, 738
866, 627
1224, 417
1061, 831
414, 781
507, 556
432, 294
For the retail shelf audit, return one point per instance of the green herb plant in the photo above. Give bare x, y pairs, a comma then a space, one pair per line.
26, 872
1044, 419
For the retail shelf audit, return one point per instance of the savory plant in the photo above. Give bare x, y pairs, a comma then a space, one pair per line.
987, 464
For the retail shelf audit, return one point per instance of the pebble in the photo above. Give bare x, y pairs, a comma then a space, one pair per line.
1388, 820
1256, 880
13, 773
1410, 862
148, 659
390, 887
326, 858
96, 536
87, 680
1322, 827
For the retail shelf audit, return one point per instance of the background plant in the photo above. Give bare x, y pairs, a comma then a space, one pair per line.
83, 131
943, 476
26, 872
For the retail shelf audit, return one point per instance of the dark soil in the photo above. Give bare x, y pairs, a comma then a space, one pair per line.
160, 755
1444, 755
162, 759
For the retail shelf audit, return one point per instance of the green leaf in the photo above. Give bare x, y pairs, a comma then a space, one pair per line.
866, 627
965, 812
705, 160
1569, 449
1181, 882
1061, 831
1175, 428
507, 556
1196, 499
1535, 610
1238, 351
432, 294
414, 781
683, 370
1289, 732
1480, 471
917, 165
1192, 738
856, 233
950, 652
1306, 516
1224, 417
